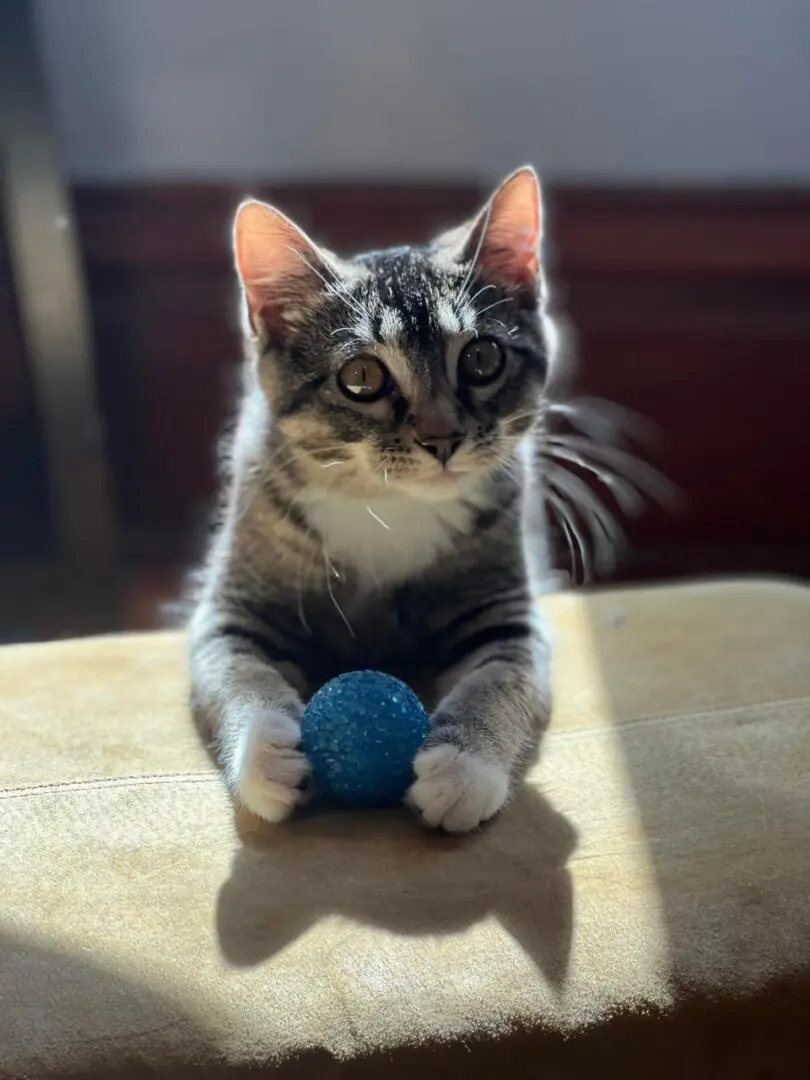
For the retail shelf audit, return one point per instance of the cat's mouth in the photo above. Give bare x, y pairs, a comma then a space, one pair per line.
438, 484
449, 475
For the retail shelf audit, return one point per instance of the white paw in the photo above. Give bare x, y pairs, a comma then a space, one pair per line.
270, 769
456, 789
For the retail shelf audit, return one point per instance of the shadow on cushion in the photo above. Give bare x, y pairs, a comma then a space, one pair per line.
383, 869
66, 1015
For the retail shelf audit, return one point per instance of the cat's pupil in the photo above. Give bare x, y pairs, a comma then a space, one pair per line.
481, 361
363, 377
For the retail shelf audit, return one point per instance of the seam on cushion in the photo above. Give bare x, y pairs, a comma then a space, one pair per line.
99, 783
681, 717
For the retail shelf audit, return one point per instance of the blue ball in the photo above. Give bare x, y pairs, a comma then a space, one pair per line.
361, 732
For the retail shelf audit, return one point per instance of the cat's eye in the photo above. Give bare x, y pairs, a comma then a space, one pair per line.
364, 378
481, 362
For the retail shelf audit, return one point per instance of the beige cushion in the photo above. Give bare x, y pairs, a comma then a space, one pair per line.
641, 909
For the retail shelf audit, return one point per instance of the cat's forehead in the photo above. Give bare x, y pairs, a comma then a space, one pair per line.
396, 272
409, 294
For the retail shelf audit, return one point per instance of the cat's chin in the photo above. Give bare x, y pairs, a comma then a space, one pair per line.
442, 485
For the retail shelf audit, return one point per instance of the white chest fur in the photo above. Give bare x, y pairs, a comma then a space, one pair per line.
392, 538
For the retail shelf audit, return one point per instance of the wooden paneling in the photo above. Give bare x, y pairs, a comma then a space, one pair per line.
25, 530
692, 308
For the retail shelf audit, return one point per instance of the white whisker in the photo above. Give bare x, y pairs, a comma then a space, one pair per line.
494, 304
604, 528
603, 420
333, 286
474, 261
333, 568
332, 597
337, 461
483, 289
564, 514
301, 614
624, 491
566, 531
258, 477
644, 476
378, 518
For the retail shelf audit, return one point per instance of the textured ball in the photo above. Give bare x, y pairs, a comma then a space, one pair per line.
361, 732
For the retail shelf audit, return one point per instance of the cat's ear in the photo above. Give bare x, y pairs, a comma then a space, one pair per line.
504, 239
281, 270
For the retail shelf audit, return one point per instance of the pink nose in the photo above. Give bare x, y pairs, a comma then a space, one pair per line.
442, 447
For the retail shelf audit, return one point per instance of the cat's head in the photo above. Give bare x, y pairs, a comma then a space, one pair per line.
416, 367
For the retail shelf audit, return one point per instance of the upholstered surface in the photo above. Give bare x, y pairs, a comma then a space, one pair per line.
642, 908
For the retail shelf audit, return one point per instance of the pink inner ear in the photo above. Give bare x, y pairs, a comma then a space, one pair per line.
273, 259
510, 249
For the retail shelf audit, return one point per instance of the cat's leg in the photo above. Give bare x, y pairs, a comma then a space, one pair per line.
250, 709
493, 710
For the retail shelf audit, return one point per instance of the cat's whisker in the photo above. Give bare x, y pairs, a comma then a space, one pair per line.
565, 515
294, 455
481, 291
523, 415
565, 528
294, 500
494, 304
301, 614
309, 566
328, 566
603, 420
378, 519
604, 529
626, 494
474, 261
331, 448
333, 286
331, 464
514, 420
644, 476
257, 480
285, 448
242, 512
506, 430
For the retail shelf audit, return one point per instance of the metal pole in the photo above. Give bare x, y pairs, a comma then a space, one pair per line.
52, 302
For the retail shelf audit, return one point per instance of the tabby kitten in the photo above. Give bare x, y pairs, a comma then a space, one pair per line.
376, 499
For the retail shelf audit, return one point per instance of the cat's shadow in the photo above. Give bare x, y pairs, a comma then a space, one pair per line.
382, 869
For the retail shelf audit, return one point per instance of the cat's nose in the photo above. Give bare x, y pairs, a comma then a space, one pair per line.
442, 447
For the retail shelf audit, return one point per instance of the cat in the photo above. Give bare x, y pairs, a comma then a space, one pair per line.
377, 498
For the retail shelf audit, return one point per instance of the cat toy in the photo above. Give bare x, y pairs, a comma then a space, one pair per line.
361, 732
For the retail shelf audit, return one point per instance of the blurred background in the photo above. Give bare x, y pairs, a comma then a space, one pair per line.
672, 138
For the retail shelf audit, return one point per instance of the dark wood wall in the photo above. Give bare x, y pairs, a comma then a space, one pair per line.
24, 514
692, 308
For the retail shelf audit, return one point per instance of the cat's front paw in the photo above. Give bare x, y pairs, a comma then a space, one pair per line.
271, 770
456, 790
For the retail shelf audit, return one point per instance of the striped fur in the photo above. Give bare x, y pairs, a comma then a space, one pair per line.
344, 544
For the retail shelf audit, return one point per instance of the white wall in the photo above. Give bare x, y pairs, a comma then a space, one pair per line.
693, 90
